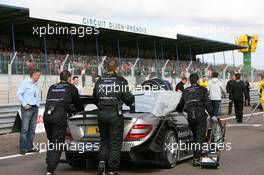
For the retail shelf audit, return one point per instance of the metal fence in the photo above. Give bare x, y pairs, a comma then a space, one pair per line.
16, 67
53, 64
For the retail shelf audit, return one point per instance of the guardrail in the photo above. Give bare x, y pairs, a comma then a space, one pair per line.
6, 122
8, 113
254, 98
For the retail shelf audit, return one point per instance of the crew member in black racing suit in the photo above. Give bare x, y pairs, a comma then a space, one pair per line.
195, 101
110, 92
228, 90
59, 99
247, 96
238, 90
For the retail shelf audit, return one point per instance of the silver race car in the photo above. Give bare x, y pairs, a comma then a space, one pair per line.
147, 138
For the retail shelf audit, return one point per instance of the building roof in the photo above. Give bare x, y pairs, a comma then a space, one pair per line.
22, 23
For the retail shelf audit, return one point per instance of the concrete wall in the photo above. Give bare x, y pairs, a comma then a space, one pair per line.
8, 94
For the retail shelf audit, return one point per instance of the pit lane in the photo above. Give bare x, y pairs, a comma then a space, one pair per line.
245, 158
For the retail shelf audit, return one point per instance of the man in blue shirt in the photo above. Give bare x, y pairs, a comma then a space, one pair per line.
28, 95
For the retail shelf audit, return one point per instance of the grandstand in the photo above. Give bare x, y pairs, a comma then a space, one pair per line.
140, 55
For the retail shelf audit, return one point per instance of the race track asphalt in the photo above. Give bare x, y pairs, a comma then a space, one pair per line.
245, 158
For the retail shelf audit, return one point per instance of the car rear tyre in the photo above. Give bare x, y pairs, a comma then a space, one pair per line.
169, 153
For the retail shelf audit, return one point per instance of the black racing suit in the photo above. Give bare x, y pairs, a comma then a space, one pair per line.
110, 92
247, 96
238, 90
60, 97
195, 101
231, 99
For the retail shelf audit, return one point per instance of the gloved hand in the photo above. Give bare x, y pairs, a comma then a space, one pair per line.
214, 119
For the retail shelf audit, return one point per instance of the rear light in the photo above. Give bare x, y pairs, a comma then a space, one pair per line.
68, 134
138, 132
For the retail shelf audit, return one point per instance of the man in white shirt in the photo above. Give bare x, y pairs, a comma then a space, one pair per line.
215, 92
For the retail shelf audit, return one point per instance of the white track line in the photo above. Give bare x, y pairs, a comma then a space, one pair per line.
246, 115
244, 125
226, 118
19, 155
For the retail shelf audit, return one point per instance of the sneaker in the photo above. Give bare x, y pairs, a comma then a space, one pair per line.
33, 150
113, 173
101, 168
49, 173
196, 162
23, 152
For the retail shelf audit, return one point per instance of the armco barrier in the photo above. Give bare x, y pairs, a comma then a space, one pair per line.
8, 115
254, 98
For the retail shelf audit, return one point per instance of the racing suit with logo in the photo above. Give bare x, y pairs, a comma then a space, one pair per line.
195, 102
110, 92
59, 99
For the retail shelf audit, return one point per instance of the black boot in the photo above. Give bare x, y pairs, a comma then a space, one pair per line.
101, 168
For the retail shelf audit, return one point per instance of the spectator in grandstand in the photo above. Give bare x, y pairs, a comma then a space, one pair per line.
247, 96
141, 77
28, 95
215, 92
238, 91
204, 82
71, 67
75, 82
97, 77
183, 73
180, 85
151, 75
230, 96
173, 76
83, 77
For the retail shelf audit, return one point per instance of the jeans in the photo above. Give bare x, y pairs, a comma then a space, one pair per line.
28, 127
216, 105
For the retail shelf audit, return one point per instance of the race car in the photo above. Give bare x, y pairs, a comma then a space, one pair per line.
148, 138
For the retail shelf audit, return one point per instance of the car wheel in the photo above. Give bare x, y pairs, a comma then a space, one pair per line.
170, 150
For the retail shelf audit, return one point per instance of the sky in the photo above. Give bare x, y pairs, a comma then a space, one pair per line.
222, 20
